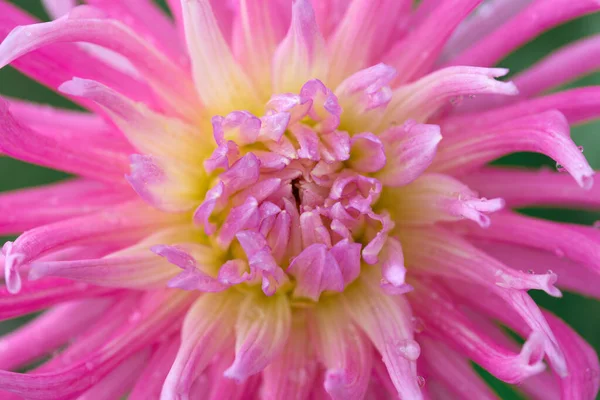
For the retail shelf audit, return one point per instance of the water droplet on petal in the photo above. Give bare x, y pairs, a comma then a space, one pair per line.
530, 271
135, 316
559, 253
89, 366
560, 168
549, 272
408, 349
418, 324
580, 148
420, 381
596, 225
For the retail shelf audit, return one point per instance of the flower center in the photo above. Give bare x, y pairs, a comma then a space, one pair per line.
291, 207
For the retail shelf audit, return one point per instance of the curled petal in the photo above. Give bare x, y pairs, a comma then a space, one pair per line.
573, 242
423, 98
367, 153
196, 261
325, 108
393, 271
86, 24
546, 133
316, 270
435, 197
439, 253
449, 324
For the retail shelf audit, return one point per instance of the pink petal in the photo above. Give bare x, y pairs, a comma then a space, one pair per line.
65, 125
316, 271
393, 271
302, 54
367, 153
25, 209
572, 276
58, 8
86, 24
260, 28
295, 368
415, 54
344, 351
161, 186
149, 384
577, 105
157, 316
119, 380
577, 243
262, 329
143, 271
563, 66
150, 132
386, 321
437, 253
538, 17
36, 296
23, 143
128, 220
357, 37
435, 197
191, 258
149, 21
546, 133
54, 66
525, 187
583, 380
422, 99
409, 150
220, 82
325, 108
450, 325
347, 255
453, 370
207, 329
49, 331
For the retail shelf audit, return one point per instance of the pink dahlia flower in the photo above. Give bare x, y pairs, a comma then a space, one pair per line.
276, 199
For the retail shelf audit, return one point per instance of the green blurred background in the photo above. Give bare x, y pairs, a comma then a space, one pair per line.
582, 313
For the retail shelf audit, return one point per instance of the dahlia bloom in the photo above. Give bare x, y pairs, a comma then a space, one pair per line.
280, 199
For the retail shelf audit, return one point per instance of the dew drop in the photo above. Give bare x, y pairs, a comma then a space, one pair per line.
559, 253
408, 349
420, 381
89, 366
418, 324
560, 168
550, 272
596, 225
580, 148
530, 271
135, 316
